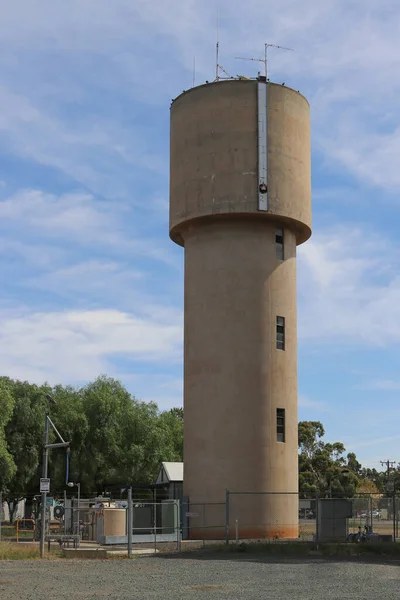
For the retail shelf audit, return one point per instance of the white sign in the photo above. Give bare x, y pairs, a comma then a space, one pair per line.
44, 484
192, 514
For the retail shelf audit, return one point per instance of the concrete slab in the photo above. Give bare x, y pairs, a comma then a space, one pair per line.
96, 553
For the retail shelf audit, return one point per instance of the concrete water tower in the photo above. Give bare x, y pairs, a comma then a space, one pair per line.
240, 204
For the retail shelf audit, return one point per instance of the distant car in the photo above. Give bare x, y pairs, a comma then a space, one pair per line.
376, 514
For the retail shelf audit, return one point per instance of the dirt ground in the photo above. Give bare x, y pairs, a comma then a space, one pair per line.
198, 578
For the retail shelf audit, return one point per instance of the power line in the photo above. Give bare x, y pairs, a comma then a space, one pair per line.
389, 464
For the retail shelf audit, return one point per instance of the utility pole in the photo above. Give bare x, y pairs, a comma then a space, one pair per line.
46, 447
44, 474
389, 464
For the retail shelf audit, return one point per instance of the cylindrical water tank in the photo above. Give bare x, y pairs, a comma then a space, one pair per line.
240, 203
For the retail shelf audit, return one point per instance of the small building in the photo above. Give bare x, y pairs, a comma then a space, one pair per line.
170, 479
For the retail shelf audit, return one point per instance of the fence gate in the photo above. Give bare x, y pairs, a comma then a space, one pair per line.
156, 521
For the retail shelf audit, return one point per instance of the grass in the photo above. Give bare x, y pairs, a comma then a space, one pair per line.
9, 531
11, 551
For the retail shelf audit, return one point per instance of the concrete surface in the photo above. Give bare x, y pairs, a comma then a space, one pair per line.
95, 553
235, 378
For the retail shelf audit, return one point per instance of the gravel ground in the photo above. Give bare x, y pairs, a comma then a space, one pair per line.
195, 578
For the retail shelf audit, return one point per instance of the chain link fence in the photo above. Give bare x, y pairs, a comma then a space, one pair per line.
280, 516
203, 521
242, 516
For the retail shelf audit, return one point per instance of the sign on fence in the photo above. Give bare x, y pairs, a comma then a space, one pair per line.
192, 514
44, 485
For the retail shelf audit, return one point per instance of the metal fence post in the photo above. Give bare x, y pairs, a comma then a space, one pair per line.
130, 522
371, 511
177, 524
237, 532
227, 517
204, 524
65, 512
155, 528
1, 511
394, 515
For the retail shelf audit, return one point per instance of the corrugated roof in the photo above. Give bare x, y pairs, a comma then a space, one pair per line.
172, 470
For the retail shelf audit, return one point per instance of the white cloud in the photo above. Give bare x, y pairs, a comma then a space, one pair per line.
92, 282
144, 51
74, 214
78, 345
85, 94
349, 288
79, 218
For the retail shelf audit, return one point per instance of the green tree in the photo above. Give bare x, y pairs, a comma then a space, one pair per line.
153, 438
7, 464
24, 434
173, 421
323, 468
379, 478
353, 464
71, 421
114, 437
126, 439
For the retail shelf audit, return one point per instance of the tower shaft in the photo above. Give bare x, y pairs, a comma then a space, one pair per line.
240, 331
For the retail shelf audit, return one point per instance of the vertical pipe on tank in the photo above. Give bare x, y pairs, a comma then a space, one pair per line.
262, 97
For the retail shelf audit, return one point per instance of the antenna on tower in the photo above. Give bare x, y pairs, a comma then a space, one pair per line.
265, 59
219, 67
217, 47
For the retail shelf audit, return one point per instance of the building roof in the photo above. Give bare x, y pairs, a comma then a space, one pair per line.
170, 471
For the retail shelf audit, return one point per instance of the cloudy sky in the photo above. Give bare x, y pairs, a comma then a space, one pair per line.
90, 282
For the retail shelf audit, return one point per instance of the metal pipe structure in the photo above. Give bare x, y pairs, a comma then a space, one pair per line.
44, 475
46, 447
130, 522
76, 525
65, 512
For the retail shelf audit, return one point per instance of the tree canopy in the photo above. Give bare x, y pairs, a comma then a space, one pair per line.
115, 438
118, 439
324, 468
7, 464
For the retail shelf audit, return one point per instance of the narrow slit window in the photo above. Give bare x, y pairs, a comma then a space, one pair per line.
280, 424
280, 333
279, 243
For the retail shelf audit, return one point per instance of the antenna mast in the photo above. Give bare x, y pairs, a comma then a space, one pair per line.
219, 67
265, 59
217, 48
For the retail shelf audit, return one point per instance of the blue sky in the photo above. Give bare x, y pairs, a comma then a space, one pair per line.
90, 282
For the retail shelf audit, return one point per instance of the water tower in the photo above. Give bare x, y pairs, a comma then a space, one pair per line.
240, 204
